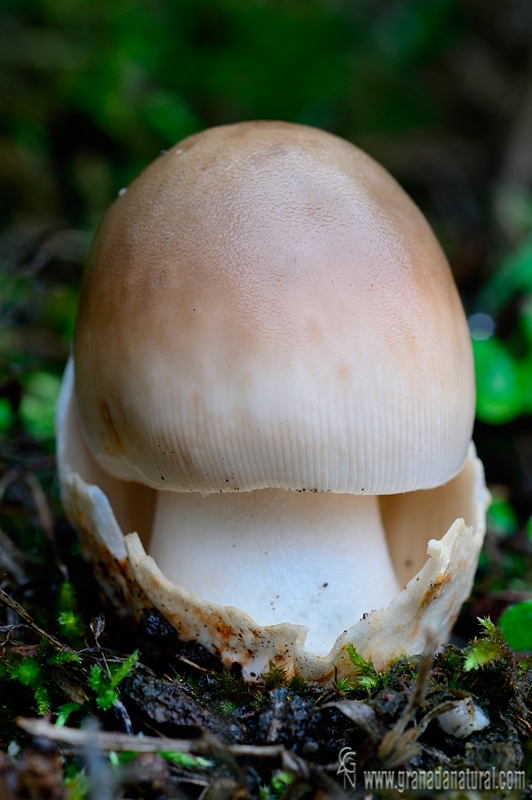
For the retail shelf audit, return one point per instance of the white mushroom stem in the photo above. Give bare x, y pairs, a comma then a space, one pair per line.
320, 560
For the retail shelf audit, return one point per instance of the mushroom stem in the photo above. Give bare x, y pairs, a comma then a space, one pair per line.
317, 559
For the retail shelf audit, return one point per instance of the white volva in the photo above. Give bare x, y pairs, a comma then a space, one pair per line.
317, 559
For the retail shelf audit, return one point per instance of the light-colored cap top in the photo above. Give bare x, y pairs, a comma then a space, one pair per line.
265, 307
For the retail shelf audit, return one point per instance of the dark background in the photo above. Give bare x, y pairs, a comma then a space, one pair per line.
439, 91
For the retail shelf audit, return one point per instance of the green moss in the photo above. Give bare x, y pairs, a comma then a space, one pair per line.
105, 686
70, 621
36, 676
366, 676
489, 648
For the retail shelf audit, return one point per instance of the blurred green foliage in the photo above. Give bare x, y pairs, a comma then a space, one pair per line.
502, 519
37, 409
35, 673
504, 368
93, 90
516, 626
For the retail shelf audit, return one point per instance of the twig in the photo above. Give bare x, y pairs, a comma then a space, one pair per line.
41, 505
192, 664
400, 745
9, 631
46, 518
122, 742
21, 611
10, 559
101, 779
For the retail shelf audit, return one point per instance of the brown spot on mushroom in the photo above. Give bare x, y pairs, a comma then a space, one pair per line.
345, 374
111, 440
186, 459
435, 588
225, 631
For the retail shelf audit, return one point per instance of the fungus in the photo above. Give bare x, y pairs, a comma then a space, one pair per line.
464, 719
266, 423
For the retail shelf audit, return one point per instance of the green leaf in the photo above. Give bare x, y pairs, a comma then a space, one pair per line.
501, 516
488, 625
61, 311
37, 408
297, 684
169, 115
66, 599
95, 679
64, 657
345, 685
77, 785
516, 626
106, 697
105, 688
6, 415
368, 677
276, 676
42, 699
280, 781
513, 275
499, 398
63, 713
186, 759
525, 317
71, 624
27, 672
479, 654
490, 648
124, 669
369, 683
227, 706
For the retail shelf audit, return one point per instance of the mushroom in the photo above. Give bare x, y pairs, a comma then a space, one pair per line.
266, 422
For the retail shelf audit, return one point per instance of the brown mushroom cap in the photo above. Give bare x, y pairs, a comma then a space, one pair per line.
265, 307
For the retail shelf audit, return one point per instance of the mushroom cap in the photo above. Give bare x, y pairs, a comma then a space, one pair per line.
265, 307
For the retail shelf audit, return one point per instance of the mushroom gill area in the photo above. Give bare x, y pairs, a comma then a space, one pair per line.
194, 540
314, 559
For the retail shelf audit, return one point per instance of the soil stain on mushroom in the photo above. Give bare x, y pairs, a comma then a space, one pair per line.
112, 442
